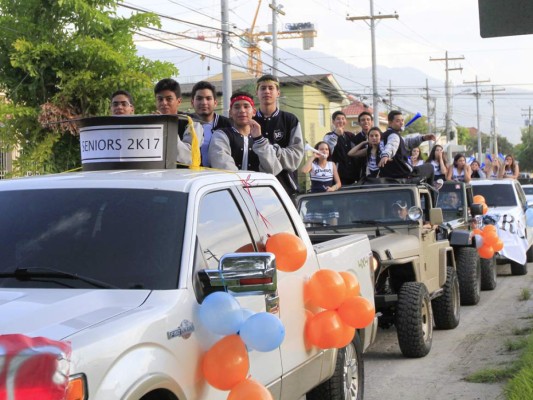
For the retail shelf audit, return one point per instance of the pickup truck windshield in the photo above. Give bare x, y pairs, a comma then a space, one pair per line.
356, 208
125, 238
497, 195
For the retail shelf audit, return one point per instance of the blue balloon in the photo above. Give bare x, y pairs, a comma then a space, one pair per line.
529, 217
221, 313
262, 332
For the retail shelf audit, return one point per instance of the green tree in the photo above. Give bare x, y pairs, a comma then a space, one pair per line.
504, 146
524, 151
62, 59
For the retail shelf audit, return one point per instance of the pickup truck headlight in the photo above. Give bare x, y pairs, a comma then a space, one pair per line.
77, 388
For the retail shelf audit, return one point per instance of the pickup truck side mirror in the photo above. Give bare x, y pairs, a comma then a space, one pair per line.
435, 216
242, 273
476, 209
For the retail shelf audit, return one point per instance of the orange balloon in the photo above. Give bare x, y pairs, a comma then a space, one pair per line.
486, 252
490, 237
289, 249
249, 389
489, 228
326, 289
226, 363
357, 312
479, 199
485, 208
326, 330
477, 232
498, 246
307, 342
346, 336
352, 284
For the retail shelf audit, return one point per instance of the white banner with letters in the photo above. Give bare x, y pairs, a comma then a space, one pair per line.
512, 233
112, 143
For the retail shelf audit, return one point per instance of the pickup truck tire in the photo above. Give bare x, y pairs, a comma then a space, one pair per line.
517, 268
529, 254
469, 274
347, 382
414, 320
488, 273
446, 308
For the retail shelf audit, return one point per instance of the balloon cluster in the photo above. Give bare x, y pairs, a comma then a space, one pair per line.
487, 240
225, 365
341, 309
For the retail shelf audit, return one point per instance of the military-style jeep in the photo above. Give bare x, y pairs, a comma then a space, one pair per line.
456, 200
415, 275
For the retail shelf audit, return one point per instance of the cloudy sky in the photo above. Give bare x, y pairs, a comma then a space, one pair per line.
424, 30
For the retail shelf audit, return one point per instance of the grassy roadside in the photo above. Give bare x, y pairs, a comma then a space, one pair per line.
519, 373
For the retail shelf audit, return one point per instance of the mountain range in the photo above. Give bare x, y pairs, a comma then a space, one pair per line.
407, 87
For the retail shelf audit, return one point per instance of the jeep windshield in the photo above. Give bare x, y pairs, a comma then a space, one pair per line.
357, 208
450, 200
74, 238
496, 195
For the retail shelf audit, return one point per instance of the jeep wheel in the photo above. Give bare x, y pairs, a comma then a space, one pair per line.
488, 273
446, 308
414, 320
469, 274
347, 382
517, 268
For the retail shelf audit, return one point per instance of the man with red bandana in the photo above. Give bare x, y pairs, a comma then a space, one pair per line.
281, 141
235, 148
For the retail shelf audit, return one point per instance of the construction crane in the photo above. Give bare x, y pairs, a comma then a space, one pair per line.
250, 39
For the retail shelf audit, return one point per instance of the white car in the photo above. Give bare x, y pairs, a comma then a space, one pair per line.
508, 209
528, 190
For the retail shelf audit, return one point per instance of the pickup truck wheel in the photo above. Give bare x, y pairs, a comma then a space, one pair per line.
347, 382
529, 254
488, 273
446, 308
517, 268
414, 320
469, 274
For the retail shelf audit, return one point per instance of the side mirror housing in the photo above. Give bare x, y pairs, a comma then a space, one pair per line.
242, 273
435, 216
476, 209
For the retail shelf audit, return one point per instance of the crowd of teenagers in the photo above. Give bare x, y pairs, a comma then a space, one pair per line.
344, 158
254, 137
263, 138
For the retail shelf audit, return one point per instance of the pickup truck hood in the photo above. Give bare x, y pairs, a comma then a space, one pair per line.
399, 245
58, 314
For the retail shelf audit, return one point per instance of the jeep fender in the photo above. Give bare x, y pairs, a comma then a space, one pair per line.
446, 259
460, 237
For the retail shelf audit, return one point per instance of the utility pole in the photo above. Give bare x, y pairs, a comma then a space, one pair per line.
390, 90
372, 24
528, 119
494, 133
430, 111
226, 66
477, 94
275, 11
448, 98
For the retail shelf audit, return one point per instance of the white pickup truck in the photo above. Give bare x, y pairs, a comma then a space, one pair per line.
118, 262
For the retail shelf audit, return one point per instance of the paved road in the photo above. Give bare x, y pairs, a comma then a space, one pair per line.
477, 343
